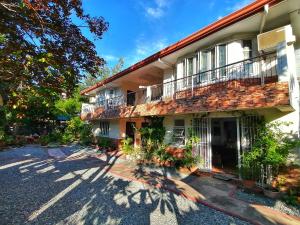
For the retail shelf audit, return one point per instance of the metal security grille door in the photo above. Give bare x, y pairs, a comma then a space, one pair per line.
202, 129
249, 126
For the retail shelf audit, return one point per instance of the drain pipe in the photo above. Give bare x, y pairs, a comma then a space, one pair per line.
263, 21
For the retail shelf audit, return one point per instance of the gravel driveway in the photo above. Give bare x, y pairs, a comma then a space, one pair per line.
36, 189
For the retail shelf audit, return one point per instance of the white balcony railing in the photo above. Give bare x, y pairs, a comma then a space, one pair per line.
87, 108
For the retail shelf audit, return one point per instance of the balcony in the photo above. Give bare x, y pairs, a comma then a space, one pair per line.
250, 83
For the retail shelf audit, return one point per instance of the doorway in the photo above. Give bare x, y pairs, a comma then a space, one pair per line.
130, 130
130, 98
224, 147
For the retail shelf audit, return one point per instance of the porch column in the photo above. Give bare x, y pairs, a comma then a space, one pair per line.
238, 143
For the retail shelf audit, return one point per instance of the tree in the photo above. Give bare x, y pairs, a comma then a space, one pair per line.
102, 74
42, 46
71, 106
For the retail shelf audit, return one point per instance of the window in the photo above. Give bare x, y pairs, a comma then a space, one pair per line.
104, 128
222, 59
179, 132
190, 70
111, 93
247, 50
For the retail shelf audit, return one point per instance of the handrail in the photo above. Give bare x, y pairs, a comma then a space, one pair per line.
221, 67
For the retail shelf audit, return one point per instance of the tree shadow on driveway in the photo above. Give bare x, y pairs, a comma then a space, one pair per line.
82, 191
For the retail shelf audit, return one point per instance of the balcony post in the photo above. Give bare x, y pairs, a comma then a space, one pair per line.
192, 86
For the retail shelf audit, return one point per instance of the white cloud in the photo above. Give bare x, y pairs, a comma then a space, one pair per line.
110, 58
212, 4
144, 49
239, 5
154, 12
219, 17
158, 8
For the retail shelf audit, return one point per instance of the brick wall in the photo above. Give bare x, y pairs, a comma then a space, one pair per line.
231, 95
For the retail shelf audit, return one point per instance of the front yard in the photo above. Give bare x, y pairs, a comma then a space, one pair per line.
81, 186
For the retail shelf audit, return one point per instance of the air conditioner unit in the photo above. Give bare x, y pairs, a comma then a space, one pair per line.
268, 41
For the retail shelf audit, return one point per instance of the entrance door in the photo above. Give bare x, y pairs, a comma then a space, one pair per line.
202, 129
224, 144
130, 130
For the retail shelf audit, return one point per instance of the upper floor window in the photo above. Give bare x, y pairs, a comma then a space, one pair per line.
190, 66
247, 49
111, 93
222, 59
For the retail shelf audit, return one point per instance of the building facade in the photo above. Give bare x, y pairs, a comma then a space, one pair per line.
217, 82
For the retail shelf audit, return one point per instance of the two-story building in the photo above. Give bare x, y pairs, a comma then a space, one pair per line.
218, 81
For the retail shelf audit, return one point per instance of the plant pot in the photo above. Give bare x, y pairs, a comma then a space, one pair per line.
249, 184
272, 193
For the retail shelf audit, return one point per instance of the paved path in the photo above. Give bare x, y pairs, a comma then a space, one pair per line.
38, 189
83, 187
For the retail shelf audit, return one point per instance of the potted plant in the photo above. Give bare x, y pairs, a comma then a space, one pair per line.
271, 192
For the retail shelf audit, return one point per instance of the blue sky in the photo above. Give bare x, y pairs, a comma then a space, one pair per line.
139, 28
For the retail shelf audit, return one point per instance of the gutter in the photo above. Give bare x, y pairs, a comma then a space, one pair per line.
247, 11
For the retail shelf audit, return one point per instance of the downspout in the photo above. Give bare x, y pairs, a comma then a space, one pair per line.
263, 21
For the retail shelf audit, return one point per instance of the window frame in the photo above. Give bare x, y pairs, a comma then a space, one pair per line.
179, 139
104, 127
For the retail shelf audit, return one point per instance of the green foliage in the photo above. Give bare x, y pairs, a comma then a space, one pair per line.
44, 140
71, 106
163, 155
128, 148
66, 138
291, 198
74, 126
152, 135
86, 136
101, 74
270, 148
9, 140
36, 48
189, 159
104, 142
76, 130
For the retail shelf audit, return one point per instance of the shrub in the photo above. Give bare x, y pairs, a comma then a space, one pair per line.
9, 140
163, 155
66, 138
269, 151
129, 149
75, 126
127, 146
55, 136
85, 134
152, 135
44, 140
104, 142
